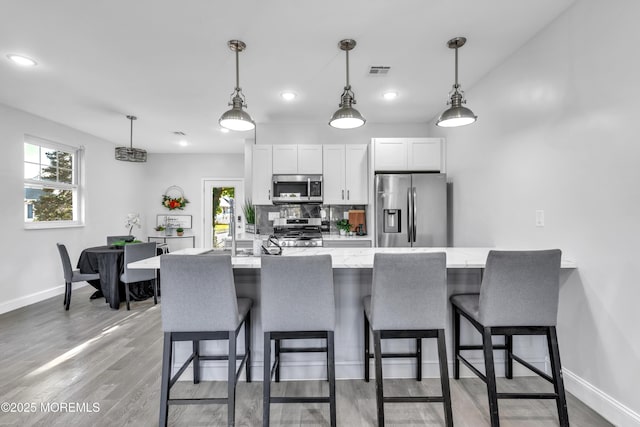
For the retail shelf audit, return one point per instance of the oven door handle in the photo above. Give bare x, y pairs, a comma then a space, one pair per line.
308, 188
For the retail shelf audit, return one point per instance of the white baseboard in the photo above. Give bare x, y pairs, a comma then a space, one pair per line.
605, 405
25, 300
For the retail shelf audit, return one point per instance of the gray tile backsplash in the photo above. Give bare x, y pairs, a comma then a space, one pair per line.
329, 213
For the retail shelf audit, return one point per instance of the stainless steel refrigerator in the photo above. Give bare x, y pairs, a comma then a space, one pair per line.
411, 209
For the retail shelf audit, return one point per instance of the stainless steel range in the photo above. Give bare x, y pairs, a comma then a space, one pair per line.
298, 231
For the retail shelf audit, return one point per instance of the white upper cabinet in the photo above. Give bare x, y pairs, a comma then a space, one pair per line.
409, 154
345, 169
310, 159
297, 159
262, 171
285, 159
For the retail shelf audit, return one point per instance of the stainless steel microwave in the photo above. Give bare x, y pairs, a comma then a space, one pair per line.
296, 189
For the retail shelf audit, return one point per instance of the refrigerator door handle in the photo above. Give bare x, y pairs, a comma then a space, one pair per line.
413, 220
409, 216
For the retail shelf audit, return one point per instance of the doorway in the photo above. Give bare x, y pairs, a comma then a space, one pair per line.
223, 200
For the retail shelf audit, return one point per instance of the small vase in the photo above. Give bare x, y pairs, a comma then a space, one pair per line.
179, 233
343, 232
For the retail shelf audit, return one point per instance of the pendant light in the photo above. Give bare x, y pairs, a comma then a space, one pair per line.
457, 115
347, 117
236, 118
130, 154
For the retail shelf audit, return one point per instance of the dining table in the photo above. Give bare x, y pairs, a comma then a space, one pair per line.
108, 261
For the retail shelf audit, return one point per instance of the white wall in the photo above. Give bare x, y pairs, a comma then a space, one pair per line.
557, 131
186, 171
30, 269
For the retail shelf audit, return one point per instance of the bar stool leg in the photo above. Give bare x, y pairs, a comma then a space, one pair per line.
456, 342
331, 373
166, 378
247, 347
277, 354
444, 378
266, 385
508, 359
155, 289
558, 383
377, 353
490, 373
231, 380
367, 352
418, 359
196, 361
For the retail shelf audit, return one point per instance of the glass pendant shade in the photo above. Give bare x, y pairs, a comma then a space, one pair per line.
130, 154
236, 118
347, 117
457, 114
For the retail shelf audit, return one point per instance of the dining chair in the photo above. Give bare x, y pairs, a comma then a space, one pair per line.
199, 303
518, 296
408, 300
135, 252
112, 239
298, 302
71, 275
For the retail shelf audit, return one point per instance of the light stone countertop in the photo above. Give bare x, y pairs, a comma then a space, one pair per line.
325, 236
349, 257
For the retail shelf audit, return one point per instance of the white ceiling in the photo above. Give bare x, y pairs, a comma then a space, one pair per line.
168, 63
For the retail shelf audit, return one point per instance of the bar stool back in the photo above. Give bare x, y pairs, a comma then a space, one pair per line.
297, 302
409, 300
199, 303
518, 296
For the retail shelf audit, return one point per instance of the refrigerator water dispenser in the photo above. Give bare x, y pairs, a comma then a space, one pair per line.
391, 223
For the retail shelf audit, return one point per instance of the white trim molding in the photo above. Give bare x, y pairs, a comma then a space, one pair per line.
615, 412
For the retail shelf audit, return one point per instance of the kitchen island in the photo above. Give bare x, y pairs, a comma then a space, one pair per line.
352, 279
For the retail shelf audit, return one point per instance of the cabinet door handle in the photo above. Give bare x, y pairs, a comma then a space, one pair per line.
269, 195
342, 194
347, 194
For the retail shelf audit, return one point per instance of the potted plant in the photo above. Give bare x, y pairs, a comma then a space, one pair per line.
344, 226
249, 211
179, 231
159, 228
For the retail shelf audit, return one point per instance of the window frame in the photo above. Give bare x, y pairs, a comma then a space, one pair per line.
76, 186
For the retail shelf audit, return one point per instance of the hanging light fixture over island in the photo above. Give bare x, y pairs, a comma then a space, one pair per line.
457, 115
347, 117
236, 118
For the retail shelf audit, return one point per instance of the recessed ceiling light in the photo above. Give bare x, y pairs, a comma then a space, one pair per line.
288, 95
224, 130
25, 61
183, 143
390, 95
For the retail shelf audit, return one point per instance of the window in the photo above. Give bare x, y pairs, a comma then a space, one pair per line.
52, 194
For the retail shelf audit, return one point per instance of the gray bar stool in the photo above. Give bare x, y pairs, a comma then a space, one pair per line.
136, 252
297, 302
408, 300
199, 303
518, 296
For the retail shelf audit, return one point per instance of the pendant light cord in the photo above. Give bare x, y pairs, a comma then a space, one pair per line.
237, 70
131, 134
456, 83
348, 85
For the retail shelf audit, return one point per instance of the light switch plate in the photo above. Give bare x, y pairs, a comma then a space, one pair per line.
345, 215
539, 218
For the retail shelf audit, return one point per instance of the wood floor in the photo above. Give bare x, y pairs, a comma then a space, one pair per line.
93, 366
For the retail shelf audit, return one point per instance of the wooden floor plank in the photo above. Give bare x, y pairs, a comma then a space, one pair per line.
113, 358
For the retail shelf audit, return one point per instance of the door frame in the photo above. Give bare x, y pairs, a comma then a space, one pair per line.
207, 226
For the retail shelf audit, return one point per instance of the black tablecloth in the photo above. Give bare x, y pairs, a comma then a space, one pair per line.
109, 263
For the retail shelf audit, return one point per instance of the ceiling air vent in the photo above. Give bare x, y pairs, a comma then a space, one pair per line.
378, 70
179, 133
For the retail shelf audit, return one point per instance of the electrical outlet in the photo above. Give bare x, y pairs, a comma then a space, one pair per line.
540, 218
345, 215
